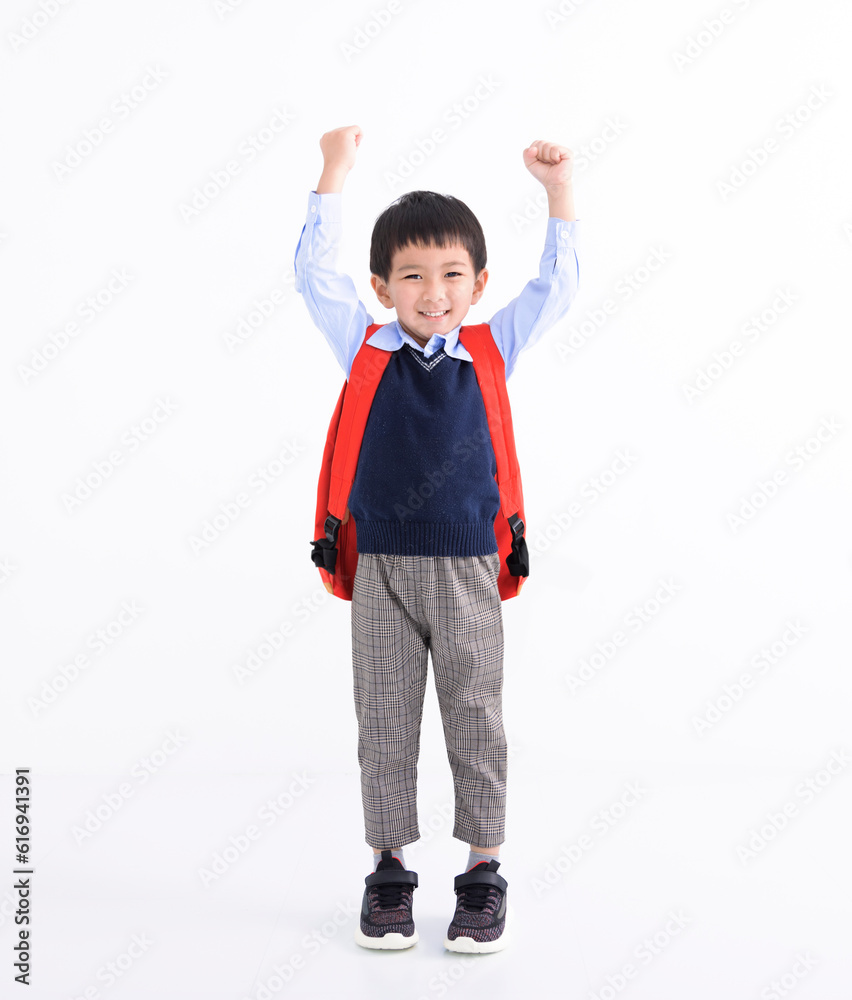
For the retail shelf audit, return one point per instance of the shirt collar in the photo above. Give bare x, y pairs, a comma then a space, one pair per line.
391, 337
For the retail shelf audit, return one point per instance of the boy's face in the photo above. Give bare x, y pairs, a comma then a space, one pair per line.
428, 280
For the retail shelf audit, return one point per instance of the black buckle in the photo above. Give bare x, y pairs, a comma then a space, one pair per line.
518, 559
332, 526
517, 525
324, 552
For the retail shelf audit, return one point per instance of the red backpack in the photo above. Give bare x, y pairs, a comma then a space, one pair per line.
334, 551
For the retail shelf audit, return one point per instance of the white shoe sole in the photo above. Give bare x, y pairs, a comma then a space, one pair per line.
394, 940
469, 946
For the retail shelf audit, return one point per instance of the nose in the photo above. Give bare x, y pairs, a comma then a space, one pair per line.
433, 290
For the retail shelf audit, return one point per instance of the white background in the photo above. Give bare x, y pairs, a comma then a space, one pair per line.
667, 121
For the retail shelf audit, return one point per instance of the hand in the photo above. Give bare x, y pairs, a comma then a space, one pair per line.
550, 164
339, 147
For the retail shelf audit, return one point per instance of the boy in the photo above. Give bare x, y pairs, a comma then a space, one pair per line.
428, 562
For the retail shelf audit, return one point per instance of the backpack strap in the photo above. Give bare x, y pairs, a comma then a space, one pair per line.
491, 374
368, 366
344, 441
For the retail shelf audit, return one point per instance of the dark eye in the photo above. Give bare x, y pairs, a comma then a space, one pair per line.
455, 272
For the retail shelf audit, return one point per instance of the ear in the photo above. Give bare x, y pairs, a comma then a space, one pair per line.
381, 290
479, 286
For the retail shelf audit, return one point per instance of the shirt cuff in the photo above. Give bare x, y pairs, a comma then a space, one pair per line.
562, 233
326, 207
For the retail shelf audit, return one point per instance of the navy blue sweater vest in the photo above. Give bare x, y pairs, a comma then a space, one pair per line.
424, 484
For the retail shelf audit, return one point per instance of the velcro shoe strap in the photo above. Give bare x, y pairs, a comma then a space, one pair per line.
391, 876
474, 877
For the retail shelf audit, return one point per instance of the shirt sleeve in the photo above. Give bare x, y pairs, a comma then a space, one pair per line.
330, 296
544, 300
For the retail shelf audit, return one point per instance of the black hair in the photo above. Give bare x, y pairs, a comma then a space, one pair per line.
425, 219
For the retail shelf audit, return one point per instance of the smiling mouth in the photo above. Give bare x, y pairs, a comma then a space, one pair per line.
435, 315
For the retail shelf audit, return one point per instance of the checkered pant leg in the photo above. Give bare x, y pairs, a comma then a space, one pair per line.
389, 656
403, 606
466, 615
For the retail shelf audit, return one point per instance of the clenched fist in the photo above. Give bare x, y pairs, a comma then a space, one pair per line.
339, 147
550, 164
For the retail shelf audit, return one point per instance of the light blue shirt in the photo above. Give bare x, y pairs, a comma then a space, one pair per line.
343, 319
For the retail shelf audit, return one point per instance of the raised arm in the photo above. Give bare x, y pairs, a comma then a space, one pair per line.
329, 295
546, 299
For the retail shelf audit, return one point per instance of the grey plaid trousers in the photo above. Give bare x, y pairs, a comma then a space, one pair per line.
402, 608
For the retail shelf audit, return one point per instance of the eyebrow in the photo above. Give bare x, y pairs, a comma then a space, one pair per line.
417, 267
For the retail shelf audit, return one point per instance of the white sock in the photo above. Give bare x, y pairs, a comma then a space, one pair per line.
474, 857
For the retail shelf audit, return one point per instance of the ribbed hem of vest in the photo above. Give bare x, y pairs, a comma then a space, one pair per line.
426, 538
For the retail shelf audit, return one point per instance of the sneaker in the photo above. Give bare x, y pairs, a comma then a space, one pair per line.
479, 923
386, 920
